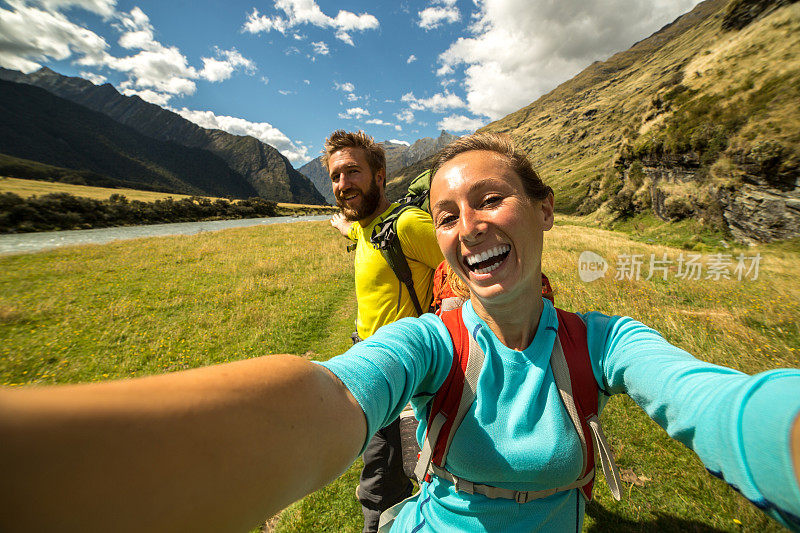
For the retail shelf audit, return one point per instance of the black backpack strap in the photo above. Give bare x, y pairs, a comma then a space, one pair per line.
385, 238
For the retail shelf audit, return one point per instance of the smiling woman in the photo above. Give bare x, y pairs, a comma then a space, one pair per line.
200, 450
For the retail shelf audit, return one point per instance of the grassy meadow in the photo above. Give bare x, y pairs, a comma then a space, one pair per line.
149, 306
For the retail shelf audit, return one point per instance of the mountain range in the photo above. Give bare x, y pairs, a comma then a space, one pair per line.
263, 169
700, 120
398, 157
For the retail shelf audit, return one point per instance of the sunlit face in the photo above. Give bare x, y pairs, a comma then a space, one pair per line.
356, 190
489, 231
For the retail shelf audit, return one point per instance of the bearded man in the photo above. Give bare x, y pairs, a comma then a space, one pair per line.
356, 165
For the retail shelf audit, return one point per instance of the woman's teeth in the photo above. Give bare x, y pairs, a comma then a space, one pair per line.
485, 262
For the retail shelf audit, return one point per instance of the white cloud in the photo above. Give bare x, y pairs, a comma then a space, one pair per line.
519, 49
397, 127
263, 131
265, 80
411, 59
164, 70
299, 12
320, 48
397, 141
29, 34
354, 112
307, 82
97, 79
222, 67
285, 92
460, 123
435, 16
346, 86
101, 7
160, 99
37, 30
379, 122
438, 103
406, 115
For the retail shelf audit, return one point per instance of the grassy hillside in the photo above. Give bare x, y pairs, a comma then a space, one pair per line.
158, 305
699, 120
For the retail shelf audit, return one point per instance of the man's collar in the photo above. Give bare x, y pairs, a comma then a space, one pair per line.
380, 217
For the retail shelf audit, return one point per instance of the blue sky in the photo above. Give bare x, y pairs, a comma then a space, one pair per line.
291, 71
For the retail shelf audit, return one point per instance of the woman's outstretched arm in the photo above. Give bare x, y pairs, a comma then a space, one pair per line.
795, 439
215, 449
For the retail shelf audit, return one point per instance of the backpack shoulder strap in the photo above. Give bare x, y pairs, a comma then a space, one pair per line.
454, 398
386, 239
579, 392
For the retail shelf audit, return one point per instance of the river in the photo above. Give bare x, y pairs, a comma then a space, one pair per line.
34, 242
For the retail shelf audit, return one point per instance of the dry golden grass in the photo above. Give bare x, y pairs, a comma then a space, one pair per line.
28, 188
751, 325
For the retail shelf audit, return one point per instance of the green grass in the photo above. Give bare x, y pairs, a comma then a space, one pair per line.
157, 305
140, 307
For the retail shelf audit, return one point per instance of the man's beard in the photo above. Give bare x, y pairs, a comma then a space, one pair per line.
369, 203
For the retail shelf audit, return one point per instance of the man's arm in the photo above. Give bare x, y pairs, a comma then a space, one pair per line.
343, 225
213, 449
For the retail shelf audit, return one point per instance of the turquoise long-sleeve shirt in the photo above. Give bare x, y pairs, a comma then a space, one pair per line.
518, 435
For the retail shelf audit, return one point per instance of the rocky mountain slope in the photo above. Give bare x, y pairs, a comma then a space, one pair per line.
317, 174
39, 126
398, 157
701, 119
265, 169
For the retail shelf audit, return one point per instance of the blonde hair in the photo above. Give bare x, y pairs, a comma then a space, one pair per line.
340, 139
534, 187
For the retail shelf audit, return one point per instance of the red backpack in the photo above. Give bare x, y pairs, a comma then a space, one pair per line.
577, 388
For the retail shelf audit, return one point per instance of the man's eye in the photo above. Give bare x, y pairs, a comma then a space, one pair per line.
491, 200
446, 220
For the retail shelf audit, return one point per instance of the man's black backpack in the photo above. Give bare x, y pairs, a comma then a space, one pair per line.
384, 235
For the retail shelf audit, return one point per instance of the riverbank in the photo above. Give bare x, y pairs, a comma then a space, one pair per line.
150, 306
30, 206
45, 240
63, 212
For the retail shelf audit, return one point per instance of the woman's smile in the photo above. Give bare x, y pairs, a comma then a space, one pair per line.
488, 229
